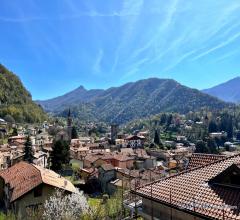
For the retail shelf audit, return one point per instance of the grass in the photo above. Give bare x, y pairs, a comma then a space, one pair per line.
93, 202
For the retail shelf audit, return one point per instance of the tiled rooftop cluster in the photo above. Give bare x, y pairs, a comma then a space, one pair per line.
191, 191
198, 159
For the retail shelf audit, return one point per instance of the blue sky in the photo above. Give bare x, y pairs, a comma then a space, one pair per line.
55, 46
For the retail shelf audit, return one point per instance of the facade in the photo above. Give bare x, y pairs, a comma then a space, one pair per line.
107, 173
135, 141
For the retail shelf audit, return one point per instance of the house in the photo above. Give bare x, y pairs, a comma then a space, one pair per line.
62, 135
218, 134
107, 173
89, 160
43, 138
17, 140
135, 141
210, 191
41, 159
2, 122
86, 140
25, 187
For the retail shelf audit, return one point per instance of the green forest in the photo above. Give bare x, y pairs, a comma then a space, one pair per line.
15, 101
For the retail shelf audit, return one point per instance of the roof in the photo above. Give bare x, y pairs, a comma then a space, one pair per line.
135, 137
198, 159
2, 120
191, 191
23, 177
51, 178
107, 167
17, 137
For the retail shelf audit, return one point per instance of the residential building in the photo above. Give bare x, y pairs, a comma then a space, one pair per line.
135, 141
25, 187
210, 191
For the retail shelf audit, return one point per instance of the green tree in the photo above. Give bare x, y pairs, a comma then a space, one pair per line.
74, 133
9, 119
14, 132
212, 146
201, 147
156, 138
59, 155
28, 151
212, 127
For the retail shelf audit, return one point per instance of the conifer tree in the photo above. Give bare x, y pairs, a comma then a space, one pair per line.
59, 155
74, 133
28, 151
156, 138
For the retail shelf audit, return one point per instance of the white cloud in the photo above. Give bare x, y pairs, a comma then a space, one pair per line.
97, 65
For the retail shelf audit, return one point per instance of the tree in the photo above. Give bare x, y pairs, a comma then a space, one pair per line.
74, 133
230, 128
238, 135
14, 132
59, 155
169, 120
28, 151
156, 138
212, 146
201, 147
60, 206
212, 127
9, 119
163, 119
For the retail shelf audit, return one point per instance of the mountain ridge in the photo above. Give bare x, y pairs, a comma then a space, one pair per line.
133, 100
228, 91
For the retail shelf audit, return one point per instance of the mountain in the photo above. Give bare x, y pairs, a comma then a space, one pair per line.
78, 95
133, 100
228, 91
16, 101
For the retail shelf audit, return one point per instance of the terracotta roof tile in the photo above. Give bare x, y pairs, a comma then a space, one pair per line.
107, 167
22, 178
198, 159
190, 191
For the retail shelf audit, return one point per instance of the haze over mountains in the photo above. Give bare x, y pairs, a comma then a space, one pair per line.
132, 101
228, 91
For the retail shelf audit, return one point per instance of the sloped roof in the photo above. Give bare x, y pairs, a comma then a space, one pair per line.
198, 159
191, 191
107, 167
23, 177
51, 178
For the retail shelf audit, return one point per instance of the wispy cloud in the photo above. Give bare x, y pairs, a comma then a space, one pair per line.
218, 46
97, 64
133, 7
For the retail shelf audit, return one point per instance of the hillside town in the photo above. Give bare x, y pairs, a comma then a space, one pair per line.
156, 177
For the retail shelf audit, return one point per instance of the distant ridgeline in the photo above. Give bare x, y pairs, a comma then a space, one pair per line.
16, 101
132, 101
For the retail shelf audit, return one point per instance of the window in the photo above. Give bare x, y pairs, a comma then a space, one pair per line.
38, 191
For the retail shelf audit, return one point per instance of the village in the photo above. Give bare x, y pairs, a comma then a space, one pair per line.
115, 162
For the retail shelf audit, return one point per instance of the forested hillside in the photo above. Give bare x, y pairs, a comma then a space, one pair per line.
15, 100
142, 99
